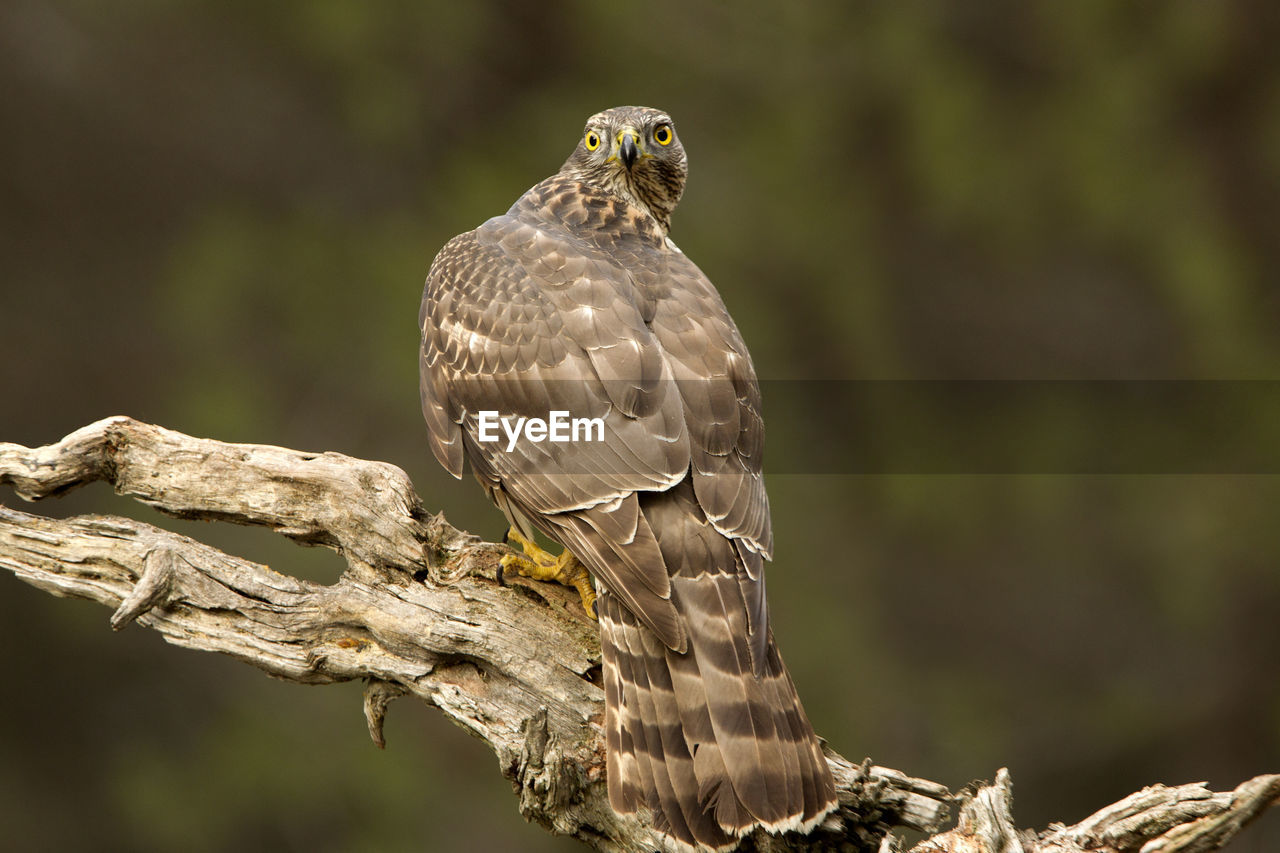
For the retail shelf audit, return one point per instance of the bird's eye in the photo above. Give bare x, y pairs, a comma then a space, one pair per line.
662, 134
592, 140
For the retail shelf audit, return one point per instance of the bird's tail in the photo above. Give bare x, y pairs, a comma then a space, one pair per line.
709, 746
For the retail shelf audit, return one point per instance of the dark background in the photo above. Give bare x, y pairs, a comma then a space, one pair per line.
217, 216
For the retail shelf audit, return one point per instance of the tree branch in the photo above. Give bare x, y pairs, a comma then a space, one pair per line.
420, 611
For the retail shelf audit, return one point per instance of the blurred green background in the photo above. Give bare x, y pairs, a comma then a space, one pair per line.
217, 216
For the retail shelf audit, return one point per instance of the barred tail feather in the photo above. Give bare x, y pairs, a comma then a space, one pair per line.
712, 749
650, 764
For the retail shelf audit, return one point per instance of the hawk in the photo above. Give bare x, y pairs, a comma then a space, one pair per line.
575, 301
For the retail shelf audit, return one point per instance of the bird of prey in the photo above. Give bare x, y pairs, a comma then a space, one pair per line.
575, 301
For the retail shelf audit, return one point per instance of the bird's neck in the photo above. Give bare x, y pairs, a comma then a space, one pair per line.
582, 203
630, 189
626, 186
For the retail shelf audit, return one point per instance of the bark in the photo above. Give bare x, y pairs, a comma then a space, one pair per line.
421, 611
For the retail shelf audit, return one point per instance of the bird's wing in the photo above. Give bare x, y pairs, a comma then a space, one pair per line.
721, 398
722, 404
523, 318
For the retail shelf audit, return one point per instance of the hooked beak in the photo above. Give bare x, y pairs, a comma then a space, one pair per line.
628, 146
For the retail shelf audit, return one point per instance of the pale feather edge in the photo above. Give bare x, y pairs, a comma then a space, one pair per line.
791, 824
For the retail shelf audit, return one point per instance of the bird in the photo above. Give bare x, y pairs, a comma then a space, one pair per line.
576, 303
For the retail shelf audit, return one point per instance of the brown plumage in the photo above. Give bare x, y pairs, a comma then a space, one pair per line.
576, 300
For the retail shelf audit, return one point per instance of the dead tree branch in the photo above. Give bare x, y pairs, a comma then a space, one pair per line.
419, 611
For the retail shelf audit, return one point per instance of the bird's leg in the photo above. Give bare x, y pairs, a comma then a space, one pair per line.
543, 566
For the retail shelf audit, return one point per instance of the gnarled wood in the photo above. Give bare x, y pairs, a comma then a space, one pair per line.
419, 611
1157, 819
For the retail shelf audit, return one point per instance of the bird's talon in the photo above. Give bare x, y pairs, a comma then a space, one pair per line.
540, 565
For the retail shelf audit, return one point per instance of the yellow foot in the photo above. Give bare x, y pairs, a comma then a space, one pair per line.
543, 566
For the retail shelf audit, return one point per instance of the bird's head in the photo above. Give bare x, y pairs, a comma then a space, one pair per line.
634, 153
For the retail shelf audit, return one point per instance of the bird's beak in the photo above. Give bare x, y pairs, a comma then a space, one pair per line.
628, 146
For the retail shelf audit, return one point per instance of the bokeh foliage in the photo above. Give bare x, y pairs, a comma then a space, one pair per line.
217, 216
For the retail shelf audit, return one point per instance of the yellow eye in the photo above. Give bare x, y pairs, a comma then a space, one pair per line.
662, 134
592, 140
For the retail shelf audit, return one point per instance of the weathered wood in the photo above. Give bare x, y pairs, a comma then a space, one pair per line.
1157, 819
419, 611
